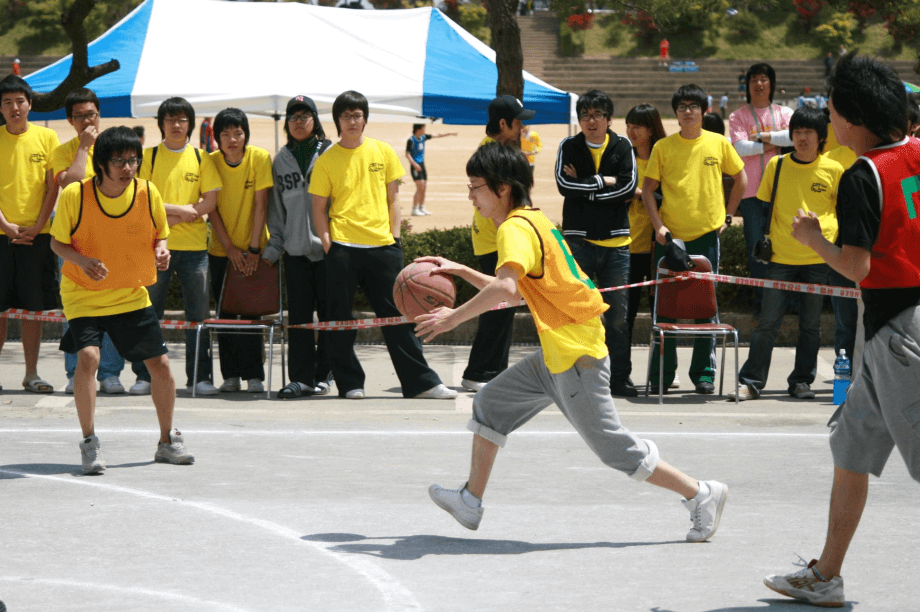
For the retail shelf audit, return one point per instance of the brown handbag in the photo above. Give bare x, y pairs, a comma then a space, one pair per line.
256, 295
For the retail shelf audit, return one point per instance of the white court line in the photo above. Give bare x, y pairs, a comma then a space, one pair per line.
395, 596
54, 401
95, 586
386, 433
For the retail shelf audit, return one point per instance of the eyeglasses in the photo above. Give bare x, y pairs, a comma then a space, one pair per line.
119, 162
472, 188
592, 117
306, 118
351, 117
684, 108
86, 117
176, 120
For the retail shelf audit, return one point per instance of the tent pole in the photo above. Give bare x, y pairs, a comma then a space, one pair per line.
277, 118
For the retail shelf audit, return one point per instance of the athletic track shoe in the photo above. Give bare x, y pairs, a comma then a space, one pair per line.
805, 585
91, 454
439, 391
231, 384
451, 501
174, 452
705, 515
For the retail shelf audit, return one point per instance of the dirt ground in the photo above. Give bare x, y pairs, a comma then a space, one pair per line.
445, 159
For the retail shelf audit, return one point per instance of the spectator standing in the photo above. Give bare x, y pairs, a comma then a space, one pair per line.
492, 343
531, 144
807, 181
292, 232
723, 105
644, 129
879, 238
415, 153
239, 226
757, 130
596, 173
189, 183
28, 268
111, 232
139, 130
206, 137
689, 167
356, 211
71, 163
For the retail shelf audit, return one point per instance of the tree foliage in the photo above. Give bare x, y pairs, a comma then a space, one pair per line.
808, 11
838, 30
42, 19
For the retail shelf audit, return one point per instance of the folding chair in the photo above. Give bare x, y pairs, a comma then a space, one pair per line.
687, 299
270, 320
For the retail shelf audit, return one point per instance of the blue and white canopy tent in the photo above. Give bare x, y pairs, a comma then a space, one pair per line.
255, 56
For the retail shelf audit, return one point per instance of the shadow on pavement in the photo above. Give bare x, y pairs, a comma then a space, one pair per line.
410, 548
24, 470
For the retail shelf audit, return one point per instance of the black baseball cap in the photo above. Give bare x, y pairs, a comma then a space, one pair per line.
300, 102
509, 108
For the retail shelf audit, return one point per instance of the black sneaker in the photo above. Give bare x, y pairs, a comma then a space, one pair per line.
704, 387
623, 389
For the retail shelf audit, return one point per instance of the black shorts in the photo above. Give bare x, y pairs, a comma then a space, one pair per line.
136, 334
421, 175
29, 275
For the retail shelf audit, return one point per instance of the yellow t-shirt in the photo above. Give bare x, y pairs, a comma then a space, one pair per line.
24, 161
181, 181
640, 226
79, 302
64, 155
811, 187
690, 173
483, 229
355, 181
530, 144
236, 200
565, 304
597, 155
842, 155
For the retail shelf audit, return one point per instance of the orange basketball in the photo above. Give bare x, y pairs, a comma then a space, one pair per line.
418, 292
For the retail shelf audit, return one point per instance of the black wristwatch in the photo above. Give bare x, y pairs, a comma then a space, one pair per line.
255, 250
728, 219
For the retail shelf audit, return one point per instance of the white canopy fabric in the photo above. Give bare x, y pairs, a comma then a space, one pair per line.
255, 56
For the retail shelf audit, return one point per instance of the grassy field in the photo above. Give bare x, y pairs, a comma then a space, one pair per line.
781, 37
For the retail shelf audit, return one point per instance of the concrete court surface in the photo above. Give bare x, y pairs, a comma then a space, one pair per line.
321, 504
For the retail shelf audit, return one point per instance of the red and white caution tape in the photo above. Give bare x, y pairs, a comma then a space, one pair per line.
56, 316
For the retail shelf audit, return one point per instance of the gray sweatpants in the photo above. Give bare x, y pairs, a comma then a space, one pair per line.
882, 409
582, 393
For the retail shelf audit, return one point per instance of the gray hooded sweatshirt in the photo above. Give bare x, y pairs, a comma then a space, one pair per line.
290, 209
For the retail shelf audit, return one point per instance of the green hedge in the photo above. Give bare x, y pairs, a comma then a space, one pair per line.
455, 244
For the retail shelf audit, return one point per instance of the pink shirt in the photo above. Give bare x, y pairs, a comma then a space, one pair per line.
742, 126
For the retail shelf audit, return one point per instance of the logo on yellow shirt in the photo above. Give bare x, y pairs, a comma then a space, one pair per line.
375, 167
818, 187
248, 184
711, 161
191, 177
37, 158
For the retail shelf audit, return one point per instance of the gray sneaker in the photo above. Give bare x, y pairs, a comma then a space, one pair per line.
802, 391
91, 454
450, 500
111, 384
705, 515
174, 452
805, 585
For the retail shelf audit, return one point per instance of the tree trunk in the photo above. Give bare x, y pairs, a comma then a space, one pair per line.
80, 71
506, 40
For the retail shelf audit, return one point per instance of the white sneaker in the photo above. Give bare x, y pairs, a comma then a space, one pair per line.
424, 212
141, 387
472, 385
254, 385
355, 394
69, 388
323, 388
675, 384
110, 384
203, 388
805, 585
705, 515
91, 456
452, 501
439, 391
417, 213
231, 384
745, 393
174, 452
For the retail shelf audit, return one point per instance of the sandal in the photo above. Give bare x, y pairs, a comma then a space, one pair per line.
295, 389
37, 385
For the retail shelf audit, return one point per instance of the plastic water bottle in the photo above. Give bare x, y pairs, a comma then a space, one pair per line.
841, 377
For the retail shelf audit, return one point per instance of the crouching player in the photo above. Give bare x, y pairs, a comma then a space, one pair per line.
111, 233
571, 369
